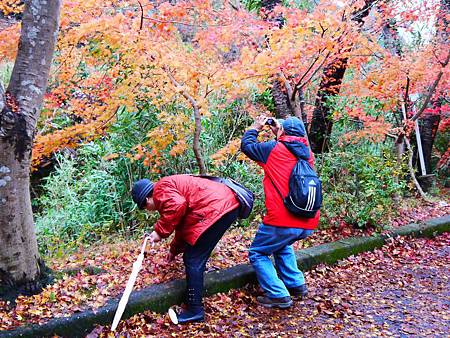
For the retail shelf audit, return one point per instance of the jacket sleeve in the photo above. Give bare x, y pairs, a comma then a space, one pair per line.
257, 151
172, 207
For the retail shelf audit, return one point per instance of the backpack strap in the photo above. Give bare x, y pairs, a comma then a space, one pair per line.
276, 188
273, 183
298, 159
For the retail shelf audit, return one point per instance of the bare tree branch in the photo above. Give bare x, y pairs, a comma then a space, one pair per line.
142, 15
197, 117
236, 6
186, 23
406, 97
412, 173
299, 82
300, 86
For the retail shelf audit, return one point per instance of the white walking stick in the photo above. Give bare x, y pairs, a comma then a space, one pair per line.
129, 287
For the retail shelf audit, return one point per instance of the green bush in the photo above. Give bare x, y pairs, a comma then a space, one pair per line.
360, 185
441, 145
87, 197
361, 180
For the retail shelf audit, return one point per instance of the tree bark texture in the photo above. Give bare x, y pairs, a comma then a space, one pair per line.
428, 130
330, 85
19, 257
322, 123
281, 100
280, 96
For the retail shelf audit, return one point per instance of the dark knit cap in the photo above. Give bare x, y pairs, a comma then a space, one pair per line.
141, 190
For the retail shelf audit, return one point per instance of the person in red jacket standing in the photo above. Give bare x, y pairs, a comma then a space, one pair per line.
199, 211
279, 228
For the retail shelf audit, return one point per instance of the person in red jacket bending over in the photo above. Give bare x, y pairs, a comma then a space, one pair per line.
279, 228
199, 211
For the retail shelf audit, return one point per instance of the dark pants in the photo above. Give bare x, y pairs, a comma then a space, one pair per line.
196, 256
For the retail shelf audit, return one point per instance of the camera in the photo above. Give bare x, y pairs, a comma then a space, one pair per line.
271, 122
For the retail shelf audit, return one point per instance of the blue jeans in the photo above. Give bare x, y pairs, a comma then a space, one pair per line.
195, 257
277, 241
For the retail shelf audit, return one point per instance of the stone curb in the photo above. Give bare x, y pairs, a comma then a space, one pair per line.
161, 296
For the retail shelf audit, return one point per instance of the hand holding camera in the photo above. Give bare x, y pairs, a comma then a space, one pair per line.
259, 122
271, 122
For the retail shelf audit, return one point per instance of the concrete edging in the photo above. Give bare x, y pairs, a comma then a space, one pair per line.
161, 296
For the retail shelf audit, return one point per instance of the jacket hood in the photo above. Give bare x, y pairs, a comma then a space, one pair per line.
293, 126
296, 146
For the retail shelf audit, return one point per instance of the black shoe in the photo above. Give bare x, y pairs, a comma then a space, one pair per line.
282, 303
299, 291
189, 316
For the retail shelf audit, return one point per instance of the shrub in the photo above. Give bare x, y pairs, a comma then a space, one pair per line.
361, 176
360, 185
87, 197
440, 160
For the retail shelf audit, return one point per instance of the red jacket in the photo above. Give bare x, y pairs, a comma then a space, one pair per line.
278, 162
189, 205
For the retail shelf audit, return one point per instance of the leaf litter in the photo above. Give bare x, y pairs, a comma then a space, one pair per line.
85, 290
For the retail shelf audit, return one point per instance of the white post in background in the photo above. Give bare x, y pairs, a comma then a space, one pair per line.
418, 139
419, 147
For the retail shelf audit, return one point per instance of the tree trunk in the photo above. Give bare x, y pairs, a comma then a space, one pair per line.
321, 123
330, 85
196, 146
19, 257
18, 253
430, 122
281, 100
428, 130
279, 94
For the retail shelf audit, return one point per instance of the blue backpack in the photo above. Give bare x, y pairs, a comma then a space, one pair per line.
244, 196
304, 198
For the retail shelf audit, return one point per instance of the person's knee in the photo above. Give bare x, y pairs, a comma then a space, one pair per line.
253, 256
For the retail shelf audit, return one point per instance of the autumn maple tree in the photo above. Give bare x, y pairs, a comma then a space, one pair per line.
117, 54
179, 57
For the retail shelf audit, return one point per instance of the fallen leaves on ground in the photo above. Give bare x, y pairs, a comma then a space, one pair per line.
400, 289
114, 262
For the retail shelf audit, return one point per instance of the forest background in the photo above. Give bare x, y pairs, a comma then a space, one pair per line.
154, 88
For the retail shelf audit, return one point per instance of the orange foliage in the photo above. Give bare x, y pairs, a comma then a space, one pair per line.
8, 42
8, 7
107, 58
